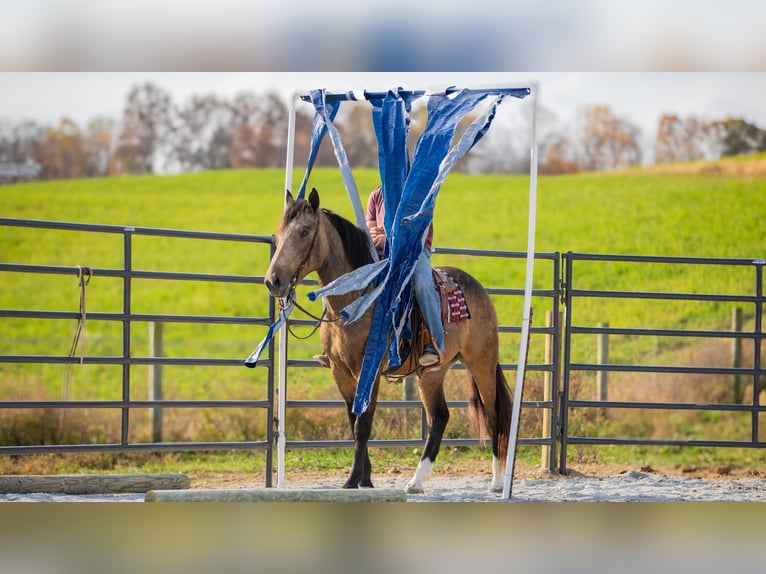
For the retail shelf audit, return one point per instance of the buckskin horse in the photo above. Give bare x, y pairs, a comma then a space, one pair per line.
310, 238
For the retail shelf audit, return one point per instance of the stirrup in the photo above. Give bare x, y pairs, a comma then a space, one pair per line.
429, 357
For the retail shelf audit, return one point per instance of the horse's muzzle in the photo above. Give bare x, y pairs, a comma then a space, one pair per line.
276, 286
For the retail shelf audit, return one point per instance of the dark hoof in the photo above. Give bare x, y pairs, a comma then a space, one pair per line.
350, 485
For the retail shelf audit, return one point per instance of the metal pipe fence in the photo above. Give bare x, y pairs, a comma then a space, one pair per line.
128, 358
574, 271
564, 364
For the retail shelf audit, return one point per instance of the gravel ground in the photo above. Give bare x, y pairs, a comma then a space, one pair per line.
630, 486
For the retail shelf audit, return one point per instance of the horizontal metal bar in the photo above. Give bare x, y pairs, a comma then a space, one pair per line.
106, 360
664, 259
668, 442
533, 330
309, 323
136, 317
181, 276
520, 292
663, 296
134, 274
665, 369
408, 443
332, 403
664, 332
354, 96
131, 447
573, 403
121, 229
310, 363
492, 253
164, 404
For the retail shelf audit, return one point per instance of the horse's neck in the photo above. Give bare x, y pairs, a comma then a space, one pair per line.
334, 265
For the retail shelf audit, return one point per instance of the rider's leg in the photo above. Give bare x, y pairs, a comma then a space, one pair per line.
428, 301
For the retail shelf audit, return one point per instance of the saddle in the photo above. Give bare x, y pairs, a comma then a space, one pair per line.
454, 308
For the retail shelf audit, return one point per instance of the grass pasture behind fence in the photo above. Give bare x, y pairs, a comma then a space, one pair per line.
617, 213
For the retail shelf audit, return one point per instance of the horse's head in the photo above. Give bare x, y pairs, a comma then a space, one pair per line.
295, 240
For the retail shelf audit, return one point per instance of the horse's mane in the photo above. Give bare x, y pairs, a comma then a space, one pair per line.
354, 240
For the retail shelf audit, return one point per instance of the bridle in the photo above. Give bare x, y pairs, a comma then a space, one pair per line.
291, 300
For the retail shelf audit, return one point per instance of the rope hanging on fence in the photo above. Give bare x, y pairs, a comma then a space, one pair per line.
84, 275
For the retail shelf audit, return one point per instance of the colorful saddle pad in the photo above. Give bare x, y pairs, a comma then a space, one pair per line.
453, 304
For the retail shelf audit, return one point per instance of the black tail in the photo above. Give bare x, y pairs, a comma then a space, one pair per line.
503, 409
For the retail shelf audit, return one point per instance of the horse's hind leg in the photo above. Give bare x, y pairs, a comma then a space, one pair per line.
491, 403
431, 387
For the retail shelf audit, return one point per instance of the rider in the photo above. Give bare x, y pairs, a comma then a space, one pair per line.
422, 279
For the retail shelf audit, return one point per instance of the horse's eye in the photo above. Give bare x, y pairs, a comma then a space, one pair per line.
304, 233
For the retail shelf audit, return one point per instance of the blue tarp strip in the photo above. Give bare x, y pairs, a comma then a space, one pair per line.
327, 112
252, 360
431, 161
318, 131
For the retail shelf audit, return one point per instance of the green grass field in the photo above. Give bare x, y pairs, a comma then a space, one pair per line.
631, 212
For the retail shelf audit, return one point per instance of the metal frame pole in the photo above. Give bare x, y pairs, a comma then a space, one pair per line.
527, 312
282, 373
126, 350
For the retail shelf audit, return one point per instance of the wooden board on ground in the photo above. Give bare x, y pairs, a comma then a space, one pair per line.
92, 483
278, 495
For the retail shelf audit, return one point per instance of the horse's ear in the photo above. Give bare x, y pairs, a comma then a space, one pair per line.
314, 199
289, 200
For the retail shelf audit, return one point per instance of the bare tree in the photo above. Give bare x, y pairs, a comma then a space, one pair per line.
259, 131
506, 146
201, 135
558, 156
358, 134
100, 141
606, 141
682, 139
21, 142
146, 127
62, 153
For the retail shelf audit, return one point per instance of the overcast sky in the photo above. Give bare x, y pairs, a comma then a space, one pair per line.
641, 97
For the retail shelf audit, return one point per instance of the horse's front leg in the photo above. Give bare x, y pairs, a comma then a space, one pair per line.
361, 427
361, 469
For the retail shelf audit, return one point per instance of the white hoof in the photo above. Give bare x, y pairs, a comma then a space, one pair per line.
498, 478
422, 473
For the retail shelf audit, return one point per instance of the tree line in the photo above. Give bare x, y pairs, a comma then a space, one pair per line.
158, 135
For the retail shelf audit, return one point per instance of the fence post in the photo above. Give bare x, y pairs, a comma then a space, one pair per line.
550, 391
155, 379
410, 393
736, 354
602, 358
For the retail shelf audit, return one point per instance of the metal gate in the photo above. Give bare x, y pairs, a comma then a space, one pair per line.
129, 358
581, 288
